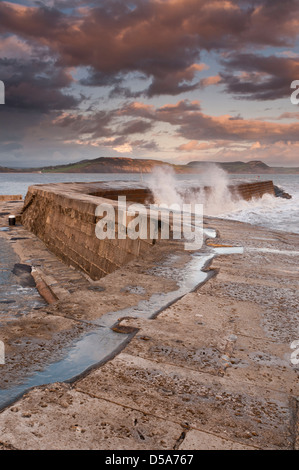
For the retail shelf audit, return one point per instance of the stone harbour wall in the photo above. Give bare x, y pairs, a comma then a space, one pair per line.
253, 190
64, 218
63, 215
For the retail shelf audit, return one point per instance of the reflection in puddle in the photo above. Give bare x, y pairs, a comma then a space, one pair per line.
94, 348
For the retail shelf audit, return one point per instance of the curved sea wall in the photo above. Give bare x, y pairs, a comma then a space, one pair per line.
63, 215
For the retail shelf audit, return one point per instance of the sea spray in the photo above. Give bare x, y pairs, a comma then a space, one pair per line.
211, 190
164, 186
217, 196
269, 211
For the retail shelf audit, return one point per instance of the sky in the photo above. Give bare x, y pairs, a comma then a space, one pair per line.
173, 80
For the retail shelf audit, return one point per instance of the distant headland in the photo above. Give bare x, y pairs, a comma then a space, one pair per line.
132, 165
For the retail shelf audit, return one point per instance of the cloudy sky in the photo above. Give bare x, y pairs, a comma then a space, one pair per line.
174, 80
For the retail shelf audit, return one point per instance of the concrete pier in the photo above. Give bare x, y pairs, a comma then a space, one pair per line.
213, 370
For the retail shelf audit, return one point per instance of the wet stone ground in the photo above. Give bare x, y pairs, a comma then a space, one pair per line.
212, 371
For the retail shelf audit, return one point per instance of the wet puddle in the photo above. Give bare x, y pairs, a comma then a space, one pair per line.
90, 351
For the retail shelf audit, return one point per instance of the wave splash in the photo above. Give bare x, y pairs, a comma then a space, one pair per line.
268, 211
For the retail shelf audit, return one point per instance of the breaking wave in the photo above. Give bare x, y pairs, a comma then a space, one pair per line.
268, 211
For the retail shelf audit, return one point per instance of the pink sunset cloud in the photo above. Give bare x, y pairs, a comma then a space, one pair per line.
152, 71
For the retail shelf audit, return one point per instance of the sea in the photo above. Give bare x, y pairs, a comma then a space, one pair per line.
270, 212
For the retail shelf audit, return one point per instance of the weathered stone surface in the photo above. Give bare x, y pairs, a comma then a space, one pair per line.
57, 417
212, 371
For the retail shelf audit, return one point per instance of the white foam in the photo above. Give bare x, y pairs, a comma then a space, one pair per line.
269, 211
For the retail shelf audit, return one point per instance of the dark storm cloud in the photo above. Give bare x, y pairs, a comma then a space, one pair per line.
141, 48
145, 144
125, 92
270, 22
95, 124
31, 22
192, 124
259, 77
135, 126
98, 78
102, 124
161, 40
36, 85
